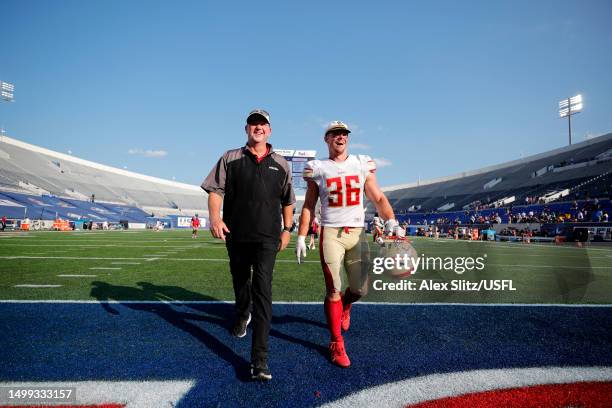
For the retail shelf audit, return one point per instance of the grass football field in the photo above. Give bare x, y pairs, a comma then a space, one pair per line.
170, 265
134, 319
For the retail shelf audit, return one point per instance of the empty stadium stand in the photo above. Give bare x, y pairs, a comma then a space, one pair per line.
41, 183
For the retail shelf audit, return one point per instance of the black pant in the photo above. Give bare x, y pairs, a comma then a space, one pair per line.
260, 256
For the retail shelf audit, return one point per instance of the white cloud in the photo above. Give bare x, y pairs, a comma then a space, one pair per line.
382, 162
361, 146
148, 153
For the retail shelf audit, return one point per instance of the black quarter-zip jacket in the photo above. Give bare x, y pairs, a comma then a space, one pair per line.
253, 193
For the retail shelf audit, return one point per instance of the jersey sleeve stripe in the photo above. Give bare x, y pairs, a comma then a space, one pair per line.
307, 173
371, 166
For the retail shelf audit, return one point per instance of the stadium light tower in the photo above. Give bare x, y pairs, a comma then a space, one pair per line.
569, 107
6, 91
6, 94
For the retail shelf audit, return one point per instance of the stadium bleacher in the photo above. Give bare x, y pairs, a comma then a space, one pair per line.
43, 184
555, 178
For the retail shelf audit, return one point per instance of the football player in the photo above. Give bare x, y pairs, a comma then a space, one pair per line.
377, 227
313, 232
340, 182
195, 224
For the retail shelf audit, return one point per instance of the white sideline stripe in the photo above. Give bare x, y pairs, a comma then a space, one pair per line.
104, 268
146, 257
37, 286
135, 394
437, 386
533, 245
125, 263
77, 276
218, 302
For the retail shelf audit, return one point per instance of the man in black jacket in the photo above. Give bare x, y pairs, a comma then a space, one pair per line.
254, 185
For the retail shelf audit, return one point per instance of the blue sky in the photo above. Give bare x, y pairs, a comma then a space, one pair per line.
430, 88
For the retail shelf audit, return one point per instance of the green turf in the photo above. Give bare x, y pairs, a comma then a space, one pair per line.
190, 269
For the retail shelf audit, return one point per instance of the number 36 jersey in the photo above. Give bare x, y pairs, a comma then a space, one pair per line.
341, 188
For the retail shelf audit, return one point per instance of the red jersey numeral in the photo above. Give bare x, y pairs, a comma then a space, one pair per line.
351, 188
336, 196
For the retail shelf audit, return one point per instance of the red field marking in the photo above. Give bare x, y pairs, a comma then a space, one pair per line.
584, 395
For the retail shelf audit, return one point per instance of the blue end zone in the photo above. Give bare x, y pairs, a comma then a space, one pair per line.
386, 343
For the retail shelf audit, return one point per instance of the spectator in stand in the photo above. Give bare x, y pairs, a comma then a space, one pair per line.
3, 223
605, 217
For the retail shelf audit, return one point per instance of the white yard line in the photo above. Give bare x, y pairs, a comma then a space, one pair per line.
106, 269
77, 276
549, 266
125, 263
151, 257
36, 286
70, 245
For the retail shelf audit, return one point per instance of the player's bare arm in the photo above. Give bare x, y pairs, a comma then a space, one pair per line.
310, 202
288, 223
376, 196
218, 229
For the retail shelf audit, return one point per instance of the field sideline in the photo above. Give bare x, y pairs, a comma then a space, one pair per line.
169, 265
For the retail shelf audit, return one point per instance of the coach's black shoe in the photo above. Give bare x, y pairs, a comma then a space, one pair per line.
260, 372
240, 327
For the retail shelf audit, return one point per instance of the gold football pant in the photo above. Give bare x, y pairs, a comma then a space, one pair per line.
346, 246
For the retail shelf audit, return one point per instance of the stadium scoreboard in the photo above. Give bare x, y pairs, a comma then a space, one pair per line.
297, 160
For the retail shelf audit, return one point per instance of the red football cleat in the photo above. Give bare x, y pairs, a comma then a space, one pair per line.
338, 354
346, 318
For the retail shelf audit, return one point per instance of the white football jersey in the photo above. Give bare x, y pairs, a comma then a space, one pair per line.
341, 188
378, 222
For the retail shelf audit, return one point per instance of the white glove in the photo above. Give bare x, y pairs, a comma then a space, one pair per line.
390, 225
300, 248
